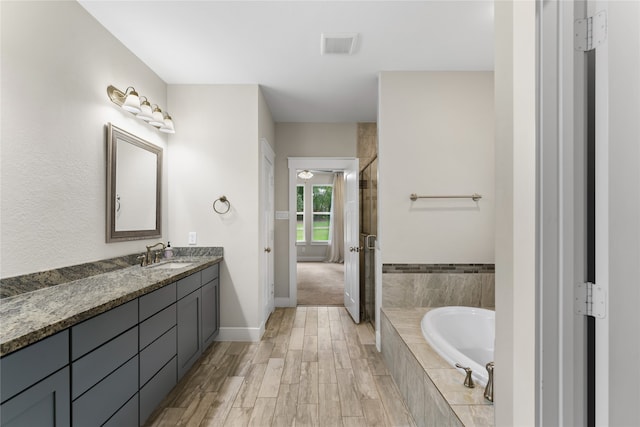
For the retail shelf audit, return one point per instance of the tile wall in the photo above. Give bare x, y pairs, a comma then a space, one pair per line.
437, 285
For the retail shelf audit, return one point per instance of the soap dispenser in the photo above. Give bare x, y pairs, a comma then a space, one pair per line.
168, 251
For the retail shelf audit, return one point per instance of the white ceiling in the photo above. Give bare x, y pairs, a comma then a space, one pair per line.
277, 44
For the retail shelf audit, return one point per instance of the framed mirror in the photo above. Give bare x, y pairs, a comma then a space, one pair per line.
134, 187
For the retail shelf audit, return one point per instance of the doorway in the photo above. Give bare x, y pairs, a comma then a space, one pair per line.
319, 251
350, 213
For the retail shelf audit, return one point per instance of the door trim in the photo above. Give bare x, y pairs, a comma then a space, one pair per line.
336, 164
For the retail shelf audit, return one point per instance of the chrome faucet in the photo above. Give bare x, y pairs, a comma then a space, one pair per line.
148, 259
488, 390
468, 381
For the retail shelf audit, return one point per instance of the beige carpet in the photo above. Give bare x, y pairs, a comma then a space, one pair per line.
320, 283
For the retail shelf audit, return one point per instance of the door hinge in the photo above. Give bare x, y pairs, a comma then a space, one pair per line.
590, 32
590, 300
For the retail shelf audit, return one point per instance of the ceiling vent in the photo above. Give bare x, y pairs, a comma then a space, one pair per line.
338, 43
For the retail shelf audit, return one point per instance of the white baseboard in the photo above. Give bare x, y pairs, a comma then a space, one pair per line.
240, 334
283, 302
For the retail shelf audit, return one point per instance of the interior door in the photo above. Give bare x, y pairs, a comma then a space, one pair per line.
268, 229
352, 244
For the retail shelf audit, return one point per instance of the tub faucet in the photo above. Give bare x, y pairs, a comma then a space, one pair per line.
488, 390
468, 381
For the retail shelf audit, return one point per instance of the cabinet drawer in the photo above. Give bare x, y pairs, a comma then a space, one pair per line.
126, 416
157, 355
210, 273
27, 366
156, 389
152, 303
98, 404
157, 325
189, 284
93, 367
94, 332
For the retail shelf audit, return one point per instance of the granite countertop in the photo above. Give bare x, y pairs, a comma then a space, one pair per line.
32, 316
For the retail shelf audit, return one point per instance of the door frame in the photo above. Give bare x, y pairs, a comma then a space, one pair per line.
336, 164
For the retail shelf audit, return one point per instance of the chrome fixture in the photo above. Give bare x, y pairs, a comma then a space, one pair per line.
141, 107
475, 197
305, 174
148, 258
468, 381
488, 390
226, 205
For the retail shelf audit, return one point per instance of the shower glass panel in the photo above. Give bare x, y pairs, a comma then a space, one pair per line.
368, 232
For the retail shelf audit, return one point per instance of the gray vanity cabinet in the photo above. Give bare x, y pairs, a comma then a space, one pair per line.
114, 368
210, 303
35, 390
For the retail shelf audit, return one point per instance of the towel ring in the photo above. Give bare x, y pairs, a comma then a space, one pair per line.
222, 199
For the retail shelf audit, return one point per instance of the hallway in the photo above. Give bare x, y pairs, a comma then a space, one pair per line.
313, 366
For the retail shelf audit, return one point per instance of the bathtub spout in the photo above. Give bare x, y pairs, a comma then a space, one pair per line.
488, 390
468, 381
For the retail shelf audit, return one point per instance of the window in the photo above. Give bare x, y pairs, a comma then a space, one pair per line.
321, 213
300, 213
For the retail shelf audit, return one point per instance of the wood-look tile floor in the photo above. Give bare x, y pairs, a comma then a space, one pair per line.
313, 367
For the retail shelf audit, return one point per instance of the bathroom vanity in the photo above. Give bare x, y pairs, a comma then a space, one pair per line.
105, 350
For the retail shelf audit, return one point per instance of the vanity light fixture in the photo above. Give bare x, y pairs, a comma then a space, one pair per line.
305, 174
141, 107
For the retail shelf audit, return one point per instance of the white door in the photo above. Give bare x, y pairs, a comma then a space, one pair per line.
351, 245
267, 187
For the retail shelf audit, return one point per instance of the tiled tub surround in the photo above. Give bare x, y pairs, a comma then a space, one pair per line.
432, 389
32, 316
437, 285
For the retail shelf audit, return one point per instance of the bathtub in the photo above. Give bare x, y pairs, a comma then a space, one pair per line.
463, 335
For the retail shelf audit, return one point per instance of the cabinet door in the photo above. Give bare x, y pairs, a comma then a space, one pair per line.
45, 404
189, 331
210, 312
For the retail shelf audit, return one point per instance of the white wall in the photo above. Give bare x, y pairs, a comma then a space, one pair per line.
215, 153
436, 137
515, 252
303, 140
57, 62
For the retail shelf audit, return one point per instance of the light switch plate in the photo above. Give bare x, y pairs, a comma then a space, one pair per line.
193, 239
282, 214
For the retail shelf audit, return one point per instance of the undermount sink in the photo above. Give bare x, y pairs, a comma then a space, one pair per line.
172, 264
